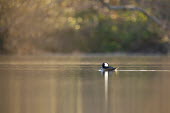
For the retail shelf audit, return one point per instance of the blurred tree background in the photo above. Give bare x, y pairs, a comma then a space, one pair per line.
85, 26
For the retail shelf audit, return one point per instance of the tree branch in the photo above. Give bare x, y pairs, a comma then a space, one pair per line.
132, 8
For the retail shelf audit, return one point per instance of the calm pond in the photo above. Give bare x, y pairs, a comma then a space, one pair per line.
74, 84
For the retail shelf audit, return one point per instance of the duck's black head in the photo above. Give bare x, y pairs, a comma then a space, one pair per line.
105, 65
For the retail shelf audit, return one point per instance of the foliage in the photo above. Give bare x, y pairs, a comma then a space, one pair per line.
130, 32
35, 26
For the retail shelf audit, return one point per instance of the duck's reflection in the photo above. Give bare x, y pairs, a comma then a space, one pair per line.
106, 75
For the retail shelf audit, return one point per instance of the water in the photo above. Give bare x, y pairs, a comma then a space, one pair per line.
74, 85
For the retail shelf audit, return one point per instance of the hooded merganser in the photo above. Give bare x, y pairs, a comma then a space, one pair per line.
106, 67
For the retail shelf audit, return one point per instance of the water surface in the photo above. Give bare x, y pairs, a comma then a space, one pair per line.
64, 84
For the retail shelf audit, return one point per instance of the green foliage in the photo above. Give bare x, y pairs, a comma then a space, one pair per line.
33, 26
131, 32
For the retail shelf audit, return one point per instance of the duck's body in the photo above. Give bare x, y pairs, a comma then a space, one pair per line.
106, 67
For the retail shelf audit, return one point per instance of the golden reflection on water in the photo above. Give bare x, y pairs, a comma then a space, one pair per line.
79, 88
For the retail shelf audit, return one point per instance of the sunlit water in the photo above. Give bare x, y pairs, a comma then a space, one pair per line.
75, 85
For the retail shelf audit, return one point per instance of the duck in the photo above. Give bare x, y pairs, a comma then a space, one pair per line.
106, 67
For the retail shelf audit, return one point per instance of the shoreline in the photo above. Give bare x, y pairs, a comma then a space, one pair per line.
76, 54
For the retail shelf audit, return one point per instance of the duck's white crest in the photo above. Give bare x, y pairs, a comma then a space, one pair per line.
106, 64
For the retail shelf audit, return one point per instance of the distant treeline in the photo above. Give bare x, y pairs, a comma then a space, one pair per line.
67, 26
